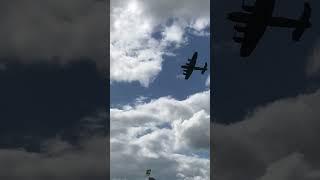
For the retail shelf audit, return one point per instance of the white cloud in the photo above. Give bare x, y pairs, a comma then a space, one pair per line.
141, 100
165, 135
136, 55
173, 33
194, 132
200, 24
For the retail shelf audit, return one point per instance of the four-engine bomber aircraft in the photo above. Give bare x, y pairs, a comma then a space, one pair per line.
189, 67
258, 18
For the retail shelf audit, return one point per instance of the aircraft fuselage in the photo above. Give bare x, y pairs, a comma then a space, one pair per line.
257, 24
257, 18
189, 67
262, 14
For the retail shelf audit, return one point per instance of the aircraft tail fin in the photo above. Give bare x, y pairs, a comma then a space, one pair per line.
305, 23
204, 68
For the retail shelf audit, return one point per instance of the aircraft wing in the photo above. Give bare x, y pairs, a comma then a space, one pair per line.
188, 74
187, 71
256, 22
252, 35
283, 22
193, 60
251, 32
188, 68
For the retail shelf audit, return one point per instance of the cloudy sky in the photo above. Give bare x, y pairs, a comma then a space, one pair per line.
54, 93
159, 121
265, 107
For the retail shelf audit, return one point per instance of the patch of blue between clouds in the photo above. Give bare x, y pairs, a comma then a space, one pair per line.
170, 81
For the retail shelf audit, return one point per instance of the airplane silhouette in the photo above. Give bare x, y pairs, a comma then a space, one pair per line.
258, 18
189, 67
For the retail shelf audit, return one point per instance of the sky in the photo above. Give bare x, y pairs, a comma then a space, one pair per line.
54, 91
158, 120
265, 107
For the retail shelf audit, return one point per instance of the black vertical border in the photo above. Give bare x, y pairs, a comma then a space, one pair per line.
107, 37
212, 70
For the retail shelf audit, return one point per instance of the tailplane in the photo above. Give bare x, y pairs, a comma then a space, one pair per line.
204, 68
305, 23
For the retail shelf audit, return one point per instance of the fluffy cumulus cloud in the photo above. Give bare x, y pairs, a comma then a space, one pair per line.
142, 32
167, 135
53, 30
276, 141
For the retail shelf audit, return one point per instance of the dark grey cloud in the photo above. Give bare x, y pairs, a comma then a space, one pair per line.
277, 141
44, 30
60, 158
70, 163
313, 63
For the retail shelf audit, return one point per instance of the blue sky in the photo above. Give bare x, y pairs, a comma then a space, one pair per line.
168, 83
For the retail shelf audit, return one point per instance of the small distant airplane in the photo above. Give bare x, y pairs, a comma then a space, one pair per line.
189, 67
258, 18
